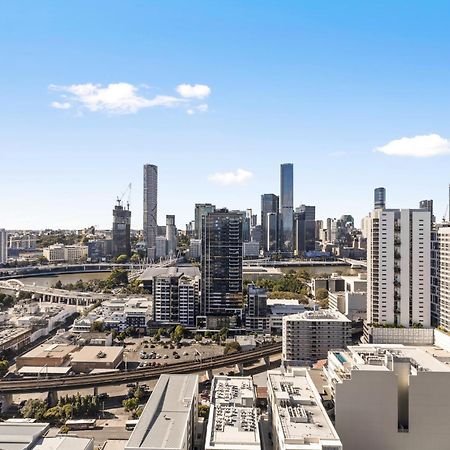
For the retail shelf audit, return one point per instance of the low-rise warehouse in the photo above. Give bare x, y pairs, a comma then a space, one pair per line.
96, 357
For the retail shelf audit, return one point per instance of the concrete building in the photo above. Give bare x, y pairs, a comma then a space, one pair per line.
3, 246
269, 223
287, 208
391, 397
161, 247
50, 355
399, 267
299, 421
251, 250
233, 421
201, 210
169, 420
121, 230
150, 208
171, 236
440, 277
93, 357
21, 435
175, 297
65, 253
22, 241
256, 311
195, 249
222, 293
308, 337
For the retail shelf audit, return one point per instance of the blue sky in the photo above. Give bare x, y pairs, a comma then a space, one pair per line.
320, 84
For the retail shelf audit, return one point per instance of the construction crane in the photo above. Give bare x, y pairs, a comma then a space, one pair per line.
120, 199
444, 218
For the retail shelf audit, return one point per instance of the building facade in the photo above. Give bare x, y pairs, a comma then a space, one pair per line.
3, 246
221, 264
304, 229
121, 231
171, 236
201, 209
309, 336
150, 208
287, 208
399, 267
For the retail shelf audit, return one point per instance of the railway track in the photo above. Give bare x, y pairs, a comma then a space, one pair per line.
112, 378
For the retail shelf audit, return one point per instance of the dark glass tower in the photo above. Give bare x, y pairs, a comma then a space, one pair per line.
269, 205
121, 241
222, 293
286, 208
379, 198
305, 229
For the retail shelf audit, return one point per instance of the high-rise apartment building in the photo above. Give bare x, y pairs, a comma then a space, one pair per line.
304, 229
150, 208
121, 229
287, 208
269, 223
222, 293
440, 277
171, 236
3, 246
201, 209
398, 267
428, 205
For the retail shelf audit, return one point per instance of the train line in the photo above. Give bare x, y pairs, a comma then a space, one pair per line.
114, 378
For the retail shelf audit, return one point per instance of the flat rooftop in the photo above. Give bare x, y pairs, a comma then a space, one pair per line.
178, 271
375, 357
299, 407
91, 353
49, 350
164, 421
322, 315
20, 435
64, 443
233, 421
44, 370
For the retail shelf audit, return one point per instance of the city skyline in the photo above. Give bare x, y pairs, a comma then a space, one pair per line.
318, 92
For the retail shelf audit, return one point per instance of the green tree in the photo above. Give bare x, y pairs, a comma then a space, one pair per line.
3, 367
121, 259
34, 409
232, 347
321, 294
178, 333
135, 258
130, 404
97, 326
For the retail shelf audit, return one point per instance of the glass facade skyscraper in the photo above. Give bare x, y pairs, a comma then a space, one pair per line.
379, 198
150, 208
269, 206
121, 240
286, 208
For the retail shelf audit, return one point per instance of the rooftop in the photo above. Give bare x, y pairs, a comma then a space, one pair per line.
97, 353
178, 271
233, 419
299, 408
379, 357
322, 315
163, 422
20, 435
50, 351
64, 443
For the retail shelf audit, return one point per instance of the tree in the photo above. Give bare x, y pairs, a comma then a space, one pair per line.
135, 258
178, 333
232, 347
58, 285
3, 367
121, 259
130, 404
203, 411
34, 409
321, 294
97, 326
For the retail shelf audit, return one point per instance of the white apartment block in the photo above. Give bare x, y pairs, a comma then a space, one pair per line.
307, 337
233, 422
391, 397
440, 281
169, 420
398, 267
299, 421
195, 248
3, 246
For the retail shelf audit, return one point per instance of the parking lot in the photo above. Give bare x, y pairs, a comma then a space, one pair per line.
144, 353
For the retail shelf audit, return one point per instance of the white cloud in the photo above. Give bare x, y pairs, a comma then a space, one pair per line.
200, 108
198, 91
240, 176
60, 105
119, 98
124, 98
424, 146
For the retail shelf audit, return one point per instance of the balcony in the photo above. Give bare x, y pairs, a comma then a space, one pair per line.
397, 255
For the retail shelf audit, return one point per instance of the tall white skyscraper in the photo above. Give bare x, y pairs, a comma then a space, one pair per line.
398, 267
3, 246
150, 208
171, 235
